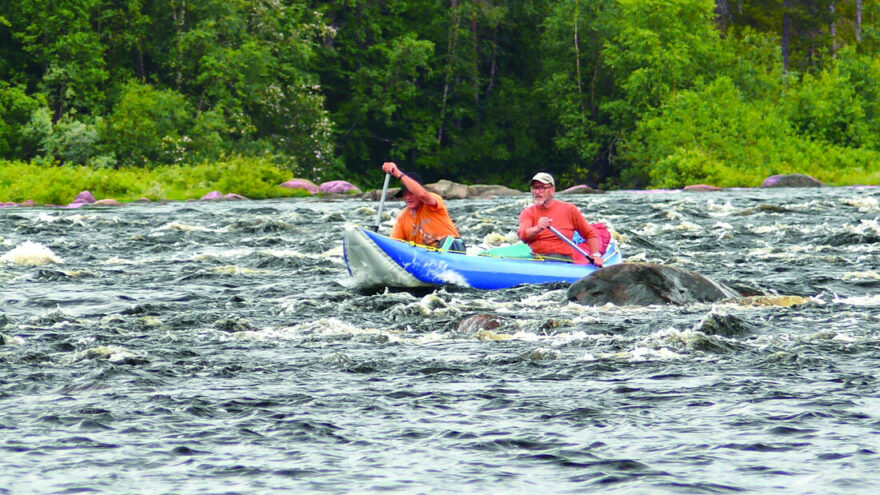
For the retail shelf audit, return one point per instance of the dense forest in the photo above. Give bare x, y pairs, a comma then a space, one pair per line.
612, 93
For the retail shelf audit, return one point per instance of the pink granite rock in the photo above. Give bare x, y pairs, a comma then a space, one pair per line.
791, 180
212, 195
701, 187
303, 184
83, 197
338, 186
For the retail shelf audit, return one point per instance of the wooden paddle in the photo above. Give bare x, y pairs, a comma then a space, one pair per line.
382, 202
570, 243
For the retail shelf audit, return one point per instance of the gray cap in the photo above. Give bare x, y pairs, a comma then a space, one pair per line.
543, 177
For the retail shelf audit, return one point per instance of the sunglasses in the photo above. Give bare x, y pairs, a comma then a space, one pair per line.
542, 187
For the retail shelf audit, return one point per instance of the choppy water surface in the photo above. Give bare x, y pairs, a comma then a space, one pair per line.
219, 347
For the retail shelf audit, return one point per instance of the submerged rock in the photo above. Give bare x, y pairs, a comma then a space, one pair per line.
725, 325
643, 284
474, 323
780, 301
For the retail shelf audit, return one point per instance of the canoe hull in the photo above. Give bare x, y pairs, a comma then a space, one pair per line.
377, 260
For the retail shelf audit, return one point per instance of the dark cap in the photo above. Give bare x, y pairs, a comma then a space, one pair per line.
412, 175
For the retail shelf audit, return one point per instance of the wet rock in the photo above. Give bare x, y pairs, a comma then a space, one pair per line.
791, 180
490, 336
478, 322
107, 202
233, 325
643, 284
725, 325
779, 301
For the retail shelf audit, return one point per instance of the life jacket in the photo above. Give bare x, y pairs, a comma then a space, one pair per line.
601, 231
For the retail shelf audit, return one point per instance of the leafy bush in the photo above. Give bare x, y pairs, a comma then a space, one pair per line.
711, 135
146, 124
54, 184
16, 107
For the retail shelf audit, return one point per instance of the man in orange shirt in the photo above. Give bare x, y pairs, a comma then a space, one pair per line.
425, 219
564, 217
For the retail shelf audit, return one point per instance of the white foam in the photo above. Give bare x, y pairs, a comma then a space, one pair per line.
111, 353
30, 254
864, 204
871, 300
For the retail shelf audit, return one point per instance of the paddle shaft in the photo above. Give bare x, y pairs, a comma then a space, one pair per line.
382, 201
570, 243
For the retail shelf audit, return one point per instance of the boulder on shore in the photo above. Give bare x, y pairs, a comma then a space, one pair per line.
644, 284
83, 197
701, 188
448, 189
490, 191
791, 180
581, 189
213, 195
338, 187
452, 190
303, 184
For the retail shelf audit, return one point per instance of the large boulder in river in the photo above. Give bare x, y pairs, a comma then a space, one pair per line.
643, 284
791, 180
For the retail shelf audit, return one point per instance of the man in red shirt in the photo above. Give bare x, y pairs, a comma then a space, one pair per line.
425, 219
564, 217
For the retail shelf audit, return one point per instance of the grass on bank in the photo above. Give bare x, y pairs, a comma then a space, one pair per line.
251, 178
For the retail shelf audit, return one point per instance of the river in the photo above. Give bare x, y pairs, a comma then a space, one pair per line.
220, 347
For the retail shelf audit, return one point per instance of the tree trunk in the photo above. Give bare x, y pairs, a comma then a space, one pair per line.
179, 21
858, 24
450, 50
722, 15
832, 30
476, 56
786, 33
577, 57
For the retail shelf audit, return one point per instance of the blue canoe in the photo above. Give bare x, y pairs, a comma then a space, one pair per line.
375, 260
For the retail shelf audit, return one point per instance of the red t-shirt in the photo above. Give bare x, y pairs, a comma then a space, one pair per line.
566, 219
431, 220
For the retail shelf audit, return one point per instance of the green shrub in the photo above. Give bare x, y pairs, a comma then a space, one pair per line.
712, 135
50, 183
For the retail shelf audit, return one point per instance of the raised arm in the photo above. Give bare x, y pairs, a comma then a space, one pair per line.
410, 184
